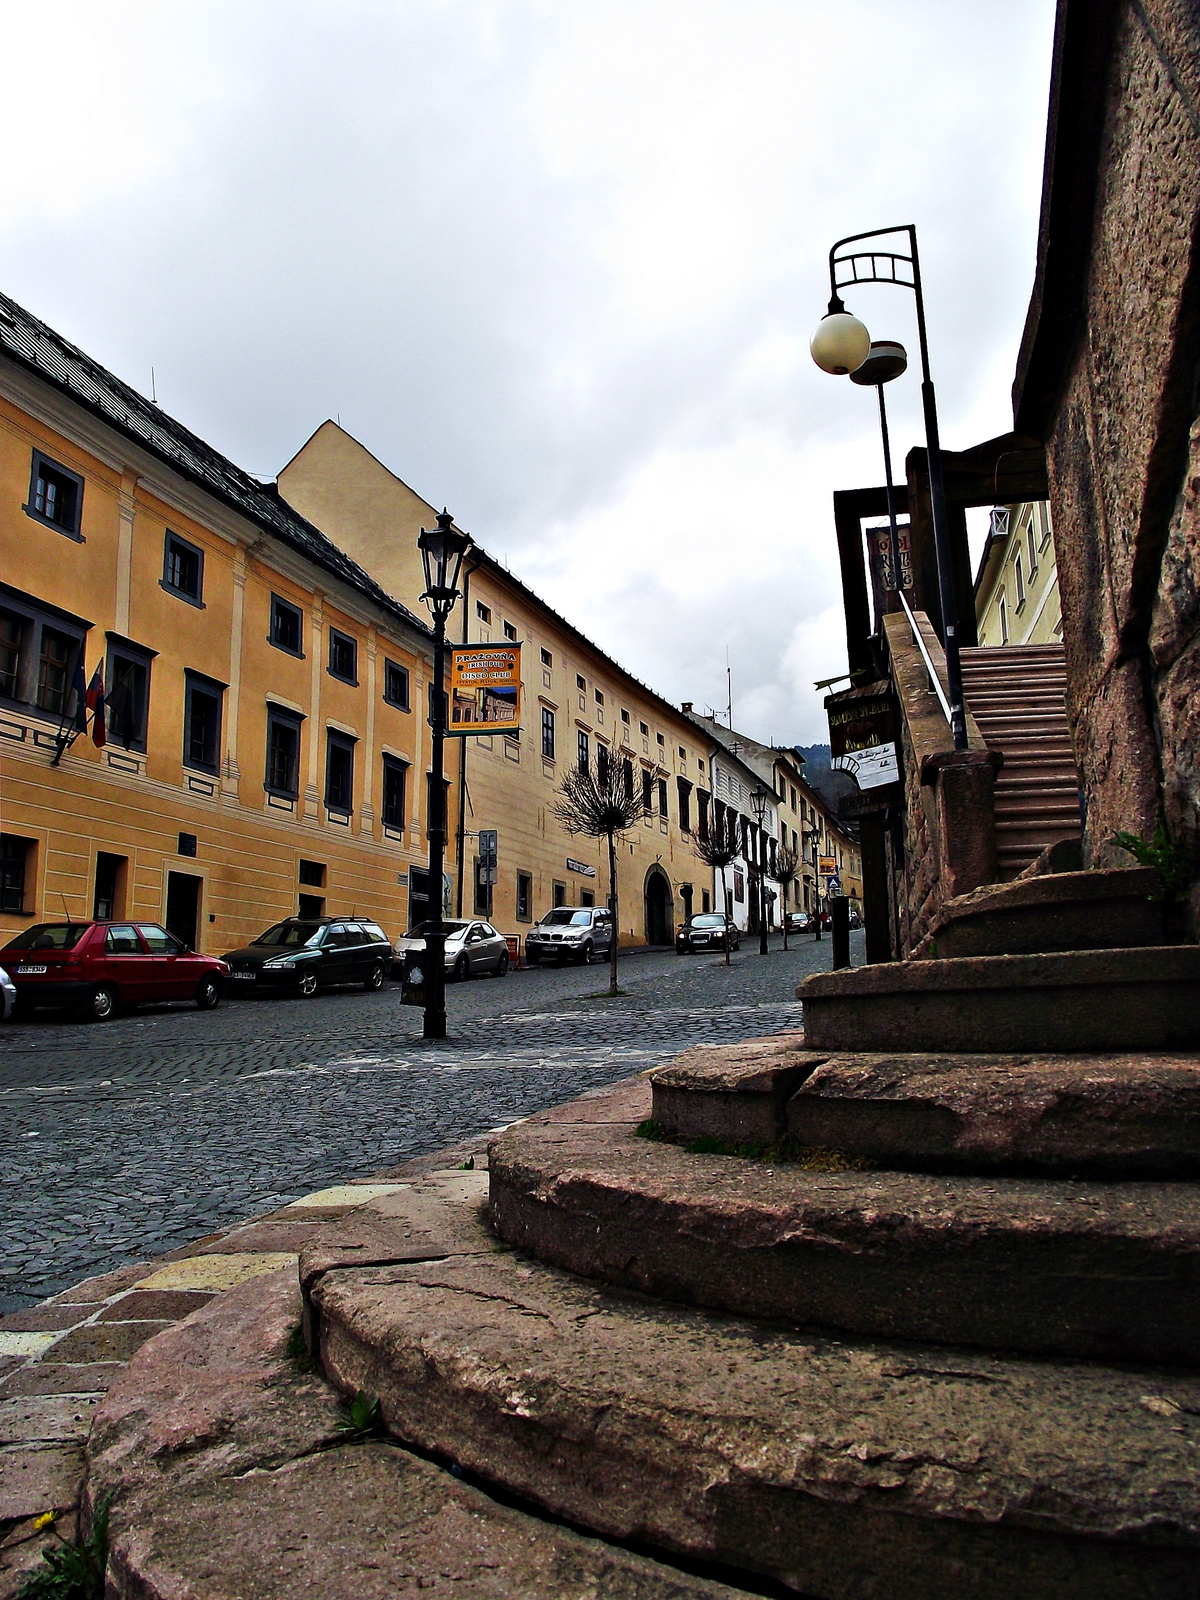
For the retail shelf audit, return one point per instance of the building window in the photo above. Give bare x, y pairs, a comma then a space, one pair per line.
624, 716
112, 873
1031, 536
285, 626
547, 659
645, 730
1003, 620
601, 764
705, 901
682, 753
627, 777
55, 495
524, 897
55, 660
702, 814
580, 682
310, 907
662, 797
12, 632
647, 791
183, 568
510, 631
14, 856
395, 685
560, 894
312, 874
339, 771
583, 751
685, 806
127, 698
343, 657
283, 752
662, 743
395, 774
202, 722
548, 733
484, 613
1019, 578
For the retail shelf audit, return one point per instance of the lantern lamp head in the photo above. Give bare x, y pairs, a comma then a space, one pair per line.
841, 343
442, 550
759, 801
885, 360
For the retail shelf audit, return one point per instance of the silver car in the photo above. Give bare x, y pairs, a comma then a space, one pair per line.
471, 948
570, 933
8, 996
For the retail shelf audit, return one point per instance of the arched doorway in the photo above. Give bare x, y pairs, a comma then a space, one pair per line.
658, 907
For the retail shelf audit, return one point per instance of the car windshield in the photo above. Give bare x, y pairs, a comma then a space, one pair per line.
563, 917
450, 929
708, 922
292, 935
50, 936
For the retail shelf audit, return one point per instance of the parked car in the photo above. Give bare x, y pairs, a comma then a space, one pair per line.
302, 955
570, 933
99, 966
799, 922
471, 947
8, 996
709, 930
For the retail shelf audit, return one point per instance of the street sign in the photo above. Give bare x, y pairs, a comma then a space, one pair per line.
485, 689
487, 855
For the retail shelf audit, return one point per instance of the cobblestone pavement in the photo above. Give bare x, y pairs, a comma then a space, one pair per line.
131, 1138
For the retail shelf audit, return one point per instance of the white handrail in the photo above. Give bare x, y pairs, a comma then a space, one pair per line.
919, 641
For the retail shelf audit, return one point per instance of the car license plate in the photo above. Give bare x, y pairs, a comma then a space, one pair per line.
24, 972
245, 977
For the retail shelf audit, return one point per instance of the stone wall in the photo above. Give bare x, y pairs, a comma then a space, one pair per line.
1124, 450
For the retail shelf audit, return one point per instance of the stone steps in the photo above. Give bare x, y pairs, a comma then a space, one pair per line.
1102, 1270
1115, 908
1144, 998
842, 1468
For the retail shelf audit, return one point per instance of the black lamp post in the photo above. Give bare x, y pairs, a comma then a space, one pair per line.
442, 550
886, 360
814, 835
840, 345
759, 800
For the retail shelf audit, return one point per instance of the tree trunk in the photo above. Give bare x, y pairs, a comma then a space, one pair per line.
725, 913
616, 914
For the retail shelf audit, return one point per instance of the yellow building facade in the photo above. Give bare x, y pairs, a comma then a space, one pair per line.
265, 752
576, 702
1016, 589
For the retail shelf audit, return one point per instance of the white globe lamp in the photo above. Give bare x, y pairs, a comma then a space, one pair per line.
841, 343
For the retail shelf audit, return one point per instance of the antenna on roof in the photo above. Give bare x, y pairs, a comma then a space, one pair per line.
728, 688
153, 388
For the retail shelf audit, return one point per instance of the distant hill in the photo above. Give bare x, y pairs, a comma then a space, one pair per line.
830, 785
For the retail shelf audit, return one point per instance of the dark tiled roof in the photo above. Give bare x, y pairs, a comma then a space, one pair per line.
39, 349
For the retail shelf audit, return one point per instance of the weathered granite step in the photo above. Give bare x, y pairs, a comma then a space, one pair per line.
231, 1479
848, 1470
1045, 1266
1116, 907
1100, 1114
1147, 998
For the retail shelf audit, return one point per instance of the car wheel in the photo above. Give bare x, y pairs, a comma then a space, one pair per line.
585, 955
103, 1003
375, 977
502, 964
208, 995
461, 969
308, 984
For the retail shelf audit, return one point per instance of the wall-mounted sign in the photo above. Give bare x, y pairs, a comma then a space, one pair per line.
485, 689
862, 735
827, 866
581, 867
879, 541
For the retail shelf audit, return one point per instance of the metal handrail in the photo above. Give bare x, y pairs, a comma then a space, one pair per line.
919, 641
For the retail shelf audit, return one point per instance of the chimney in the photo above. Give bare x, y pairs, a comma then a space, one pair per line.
687, 705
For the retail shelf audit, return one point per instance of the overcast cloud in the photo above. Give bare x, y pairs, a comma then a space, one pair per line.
556, 263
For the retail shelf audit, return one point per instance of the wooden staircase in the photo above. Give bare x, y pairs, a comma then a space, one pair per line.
1017, 695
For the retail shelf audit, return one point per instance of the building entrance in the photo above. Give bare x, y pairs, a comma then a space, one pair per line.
658, 908
183, 906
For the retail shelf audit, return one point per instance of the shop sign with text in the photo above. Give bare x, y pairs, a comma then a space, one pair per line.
485, 689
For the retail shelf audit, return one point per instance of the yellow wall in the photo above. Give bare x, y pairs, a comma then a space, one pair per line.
1018, 601
134, 805
375, 517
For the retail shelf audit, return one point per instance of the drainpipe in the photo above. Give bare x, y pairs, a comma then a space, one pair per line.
460, 836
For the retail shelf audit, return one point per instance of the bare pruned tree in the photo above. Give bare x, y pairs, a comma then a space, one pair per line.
602, 805
717, 851
784, 870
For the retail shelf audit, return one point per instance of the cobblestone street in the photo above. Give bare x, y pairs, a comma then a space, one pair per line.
130, 1138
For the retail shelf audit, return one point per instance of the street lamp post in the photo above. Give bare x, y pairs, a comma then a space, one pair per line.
759, 801
442, 550
840, 345
814, 835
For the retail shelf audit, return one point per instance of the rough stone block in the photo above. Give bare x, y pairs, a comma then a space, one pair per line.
106, 1341
234, 1481
1125, 1115
46, 1419
1142, 999
734, 1092
842, 1469
140, 1305
47, 1377
37, 1478
1120, 907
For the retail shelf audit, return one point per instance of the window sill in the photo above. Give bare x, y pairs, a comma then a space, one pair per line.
281, 794
336, 814
67, 533
297, 655
182, 594
351, 682
207, 772
395, 704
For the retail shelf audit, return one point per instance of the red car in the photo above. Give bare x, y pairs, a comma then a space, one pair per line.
98, 966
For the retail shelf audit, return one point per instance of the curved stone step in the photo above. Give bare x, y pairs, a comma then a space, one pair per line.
1115, 907
848, 1470
231, 1479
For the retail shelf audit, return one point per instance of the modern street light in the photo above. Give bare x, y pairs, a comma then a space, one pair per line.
442, 550
886, 360
815, 836
760, 799
838, 340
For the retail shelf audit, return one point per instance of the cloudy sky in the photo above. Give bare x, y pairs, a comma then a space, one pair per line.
556, 263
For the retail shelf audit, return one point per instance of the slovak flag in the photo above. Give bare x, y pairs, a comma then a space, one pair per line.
95, 704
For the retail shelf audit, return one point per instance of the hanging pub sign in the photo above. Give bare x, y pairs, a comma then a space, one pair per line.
862, 735
879, 543
485, 689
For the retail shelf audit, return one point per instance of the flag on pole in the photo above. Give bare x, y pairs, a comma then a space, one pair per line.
78, 697
95, 704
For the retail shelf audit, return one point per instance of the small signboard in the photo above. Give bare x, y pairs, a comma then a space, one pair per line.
862, 735
827, 866
412, 982
485, 689
581, 867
